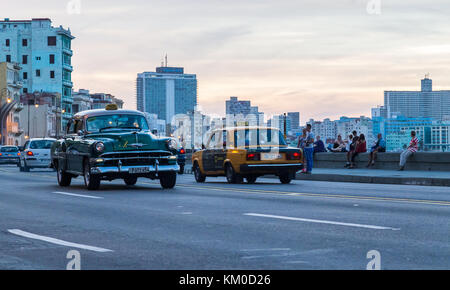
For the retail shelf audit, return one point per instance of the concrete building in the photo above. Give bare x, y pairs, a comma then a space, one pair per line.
166, 92
41, 116
295, 120
425, 103
100, 100
44, 53
239, 113
10, 90
82, 101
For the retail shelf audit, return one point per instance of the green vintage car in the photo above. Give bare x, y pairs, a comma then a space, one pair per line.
109, 144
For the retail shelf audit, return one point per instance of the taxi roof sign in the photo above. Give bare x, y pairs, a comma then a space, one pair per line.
111, 107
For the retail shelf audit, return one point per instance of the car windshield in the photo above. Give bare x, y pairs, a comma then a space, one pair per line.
258, 137
41, 144
118, 121
9, 149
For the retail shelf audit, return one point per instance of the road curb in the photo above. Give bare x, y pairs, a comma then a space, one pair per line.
375, 179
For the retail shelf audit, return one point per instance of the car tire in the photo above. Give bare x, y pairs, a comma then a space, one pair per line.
251, 179
92, 182
199, 177
168, 179
131, 180
25, 168
20, 166
181, 169
285, 178
231, 175
64, 178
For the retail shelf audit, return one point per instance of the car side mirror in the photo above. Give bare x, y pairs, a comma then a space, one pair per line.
81, 133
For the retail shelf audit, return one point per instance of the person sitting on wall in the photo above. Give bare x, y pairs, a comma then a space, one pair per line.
361, 147
319, 146
338, 145
380, 146
413, 147
351, 149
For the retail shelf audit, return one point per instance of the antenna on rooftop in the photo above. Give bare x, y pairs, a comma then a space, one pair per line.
166, 59
427, 75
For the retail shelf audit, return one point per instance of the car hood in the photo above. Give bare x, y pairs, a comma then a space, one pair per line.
130, 141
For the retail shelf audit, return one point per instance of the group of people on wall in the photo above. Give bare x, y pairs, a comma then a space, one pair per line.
353, 146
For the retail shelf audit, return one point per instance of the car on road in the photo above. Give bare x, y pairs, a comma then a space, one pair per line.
9, 155
35, 153
246, 152
108, 144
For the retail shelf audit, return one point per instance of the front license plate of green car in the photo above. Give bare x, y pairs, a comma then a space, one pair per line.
139, 170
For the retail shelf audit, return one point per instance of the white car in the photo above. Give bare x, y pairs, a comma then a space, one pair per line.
35, 153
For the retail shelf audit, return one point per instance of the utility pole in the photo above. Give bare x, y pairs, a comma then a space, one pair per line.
284, 126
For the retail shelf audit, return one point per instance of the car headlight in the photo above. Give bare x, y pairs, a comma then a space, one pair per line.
99, 147
172, 144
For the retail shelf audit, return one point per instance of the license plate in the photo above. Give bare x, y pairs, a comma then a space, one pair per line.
139, 170
270, 156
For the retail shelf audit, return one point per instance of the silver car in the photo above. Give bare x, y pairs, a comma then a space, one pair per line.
9, 155
36, 153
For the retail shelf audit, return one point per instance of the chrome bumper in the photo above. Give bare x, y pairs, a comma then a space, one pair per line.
125, 169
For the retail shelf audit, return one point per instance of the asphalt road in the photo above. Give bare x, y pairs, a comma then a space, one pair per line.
215, 225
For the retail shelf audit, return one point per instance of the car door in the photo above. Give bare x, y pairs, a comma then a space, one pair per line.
208, 153
71, 152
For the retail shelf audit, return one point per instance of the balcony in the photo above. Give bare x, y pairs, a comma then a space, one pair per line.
68, 67
16, 84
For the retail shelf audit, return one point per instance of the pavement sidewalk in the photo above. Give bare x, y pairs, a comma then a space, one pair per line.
434, 178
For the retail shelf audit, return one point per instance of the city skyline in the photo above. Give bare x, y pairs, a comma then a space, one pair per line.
295, 55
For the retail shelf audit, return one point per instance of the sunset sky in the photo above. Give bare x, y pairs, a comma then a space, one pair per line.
322, 58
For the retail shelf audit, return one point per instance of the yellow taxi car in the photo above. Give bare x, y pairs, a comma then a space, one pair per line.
246, 152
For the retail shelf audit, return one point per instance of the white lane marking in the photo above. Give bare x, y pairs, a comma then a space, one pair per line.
57, 242
269, 249
78, 195
322, 221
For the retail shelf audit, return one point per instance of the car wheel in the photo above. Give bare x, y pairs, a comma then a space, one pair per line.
251, 179
181, 169
199, 177
130, 180
64, 178
91, 181
168, 179
20, 166
231, 175
285, 178
25, 167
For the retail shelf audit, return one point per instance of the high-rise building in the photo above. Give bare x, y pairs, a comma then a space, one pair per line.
44, 53
295, 119
239, 112
425, 103
166, 92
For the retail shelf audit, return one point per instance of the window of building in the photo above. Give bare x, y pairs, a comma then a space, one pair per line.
52, 58
24, 42
25, 75
25, 90
38, 58
51, 41
38, 72
52, 74
7, 43
8, 58
24, 59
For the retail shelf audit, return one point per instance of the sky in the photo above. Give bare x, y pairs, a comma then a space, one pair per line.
323, 58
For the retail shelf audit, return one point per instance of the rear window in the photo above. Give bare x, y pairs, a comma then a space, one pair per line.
41, 144
258, 137
9, 149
